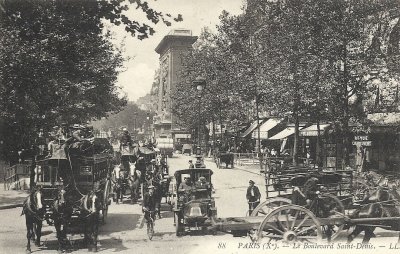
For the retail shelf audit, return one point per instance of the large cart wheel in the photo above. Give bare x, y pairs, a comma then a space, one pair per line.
331, 207
270, 204
290, 223
179, 227
107, 189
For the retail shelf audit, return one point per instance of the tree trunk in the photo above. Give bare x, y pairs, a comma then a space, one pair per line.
296, 139
318, 148
213, 133
345, 110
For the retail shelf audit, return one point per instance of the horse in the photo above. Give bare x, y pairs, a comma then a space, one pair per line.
134, 184
119, 180
61, 215
381, 203
164, 190
34, 212
90, 206
227, 158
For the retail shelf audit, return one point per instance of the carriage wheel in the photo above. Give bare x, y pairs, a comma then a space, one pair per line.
179, 228
107, 189
290, 223
270, 204
335, 208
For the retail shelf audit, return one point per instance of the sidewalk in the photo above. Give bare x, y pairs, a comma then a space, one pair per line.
12, 198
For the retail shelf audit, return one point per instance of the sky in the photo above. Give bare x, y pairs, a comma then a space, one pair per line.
142, 60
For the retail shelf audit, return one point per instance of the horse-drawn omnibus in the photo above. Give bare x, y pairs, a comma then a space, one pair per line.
83, 178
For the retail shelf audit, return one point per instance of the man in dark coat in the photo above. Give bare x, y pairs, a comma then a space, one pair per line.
149, 204
125, 139
253, 196
309, 192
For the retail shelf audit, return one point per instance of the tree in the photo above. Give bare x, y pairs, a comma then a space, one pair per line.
57, 63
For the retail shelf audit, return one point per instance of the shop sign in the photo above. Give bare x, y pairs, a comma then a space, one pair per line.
361, 138
362, 143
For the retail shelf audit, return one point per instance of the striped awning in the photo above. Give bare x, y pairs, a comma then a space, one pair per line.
251, 128
266, 127
283, 134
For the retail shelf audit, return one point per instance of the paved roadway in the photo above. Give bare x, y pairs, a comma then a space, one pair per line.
124, 231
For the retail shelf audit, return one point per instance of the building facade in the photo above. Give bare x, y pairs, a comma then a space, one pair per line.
171, 50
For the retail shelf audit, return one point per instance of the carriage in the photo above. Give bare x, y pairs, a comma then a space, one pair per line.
196, 208
84, 177
224, 158
335, 206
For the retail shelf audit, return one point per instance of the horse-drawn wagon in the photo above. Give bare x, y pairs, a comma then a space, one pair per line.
75, 187
322, 216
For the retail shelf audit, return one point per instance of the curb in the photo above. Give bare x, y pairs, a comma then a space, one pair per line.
4, 207
260, 174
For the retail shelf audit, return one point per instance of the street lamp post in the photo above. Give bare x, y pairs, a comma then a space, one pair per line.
148, 129
258, 143
200, 84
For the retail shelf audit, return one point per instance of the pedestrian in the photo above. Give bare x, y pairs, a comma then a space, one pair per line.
273, 152
253, 196
191, 164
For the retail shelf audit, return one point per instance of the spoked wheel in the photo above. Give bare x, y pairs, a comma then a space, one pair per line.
106, 194
290, 224
179, 229
270, 204
150, 229
104, 214
329, 206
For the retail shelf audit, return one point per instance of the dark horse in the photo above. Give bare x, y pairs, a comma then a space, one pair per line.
74, 208
90, 206
379, 204
34, 212
61, 215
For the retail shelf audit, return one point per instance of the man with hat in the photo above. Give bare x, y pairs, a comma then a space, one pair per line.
253, 196
309, 190
125, 138
202, 183
186, 188
149, 204
199, 162
125, 146
191, 164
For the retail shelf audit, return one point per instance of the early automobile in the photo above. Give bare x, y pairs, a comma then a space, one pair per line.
194, 207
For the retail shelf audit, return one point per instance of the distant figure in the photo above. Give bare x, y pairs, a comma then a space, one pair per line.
191, 165
186, 188
125, 139
202, 183
273, 152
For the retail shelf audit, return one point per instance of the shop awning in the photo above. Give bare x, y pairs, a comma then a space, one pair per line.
251, 128
312, 131
266, 127
283, 134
